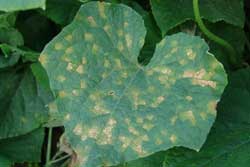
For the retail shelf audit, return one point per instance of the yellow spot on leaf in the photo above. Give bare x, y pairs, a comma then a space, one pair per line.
52, 107
173, 138
147, 126
78, 129
212, 107
203, 115
69, 67
43, 59
88, 36
191, 54
133, 130
188, 115
93, 132
69, 38
118, 63
101, 9
75, 92
67, 117
84, 60
95, 48
62, 94
58, 46
91, 21
80, 69
158, 101
61, 78
69, 50
125, 24
120, 32
173, 120
129, 41
83, 84
139, 120
120, 46
189, 98
158, 141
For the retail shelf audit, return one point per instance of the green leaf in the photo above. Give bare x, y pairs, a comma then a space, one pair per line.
22, 103
168, 13
229, 141
14, 5
8, 61
26, 148
155, 160
116, 110
5, 162
57, 12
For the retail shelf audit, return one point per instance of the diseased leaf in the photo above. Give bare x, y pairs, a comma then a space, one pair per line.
228, 143
22, 103
26, 148
169, 13
116, 110
14, 5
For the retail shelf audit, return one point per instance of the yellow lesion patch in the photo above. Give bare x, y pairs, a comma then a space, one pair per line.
78, 129
69, 67
173, 138
69, 50
136, 100
212, 107
106, 136
101, 9
84, 60
120, 32
120, 46
133, 131
125, 141
136, 145
61, 78
52, 107
88, 36
75, 92
173, 120
129, 41
158, 101
197, 78
68, 38
91, 21
95, 48
203, 115
148, 126
107, 28
43, 59
188, 115
174, 50
62, 94
67, 117
158, 141
125, 24
93, 132
139, 120
106, 63
189, 98
80, 69
118, 63
58, 46
150, 117
190, 54
83, 84
99, 109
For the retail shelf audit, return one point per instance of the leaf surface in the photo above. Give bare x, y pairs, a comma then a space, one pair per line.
24, 148
22, 103
169, 13
116, 110
14, 5
228, 143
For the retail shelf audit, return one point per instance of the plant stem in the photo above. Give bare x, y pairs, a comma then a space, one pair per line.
49, 147
213, 37
59, 159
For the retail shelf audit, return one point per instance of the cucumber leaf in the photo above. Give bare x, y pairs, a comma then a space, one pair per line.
115, 110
